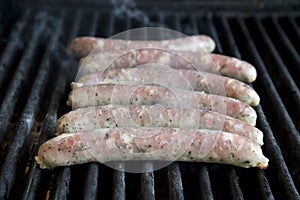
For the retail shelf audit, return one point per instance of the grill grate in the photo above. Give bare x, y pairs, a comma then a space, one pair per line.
35, 72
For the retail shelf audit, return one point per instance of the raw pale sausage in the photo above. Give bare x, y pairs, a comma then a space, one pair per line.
194, 80
91, 118
167, 144
105, 94
213, 63
82, 46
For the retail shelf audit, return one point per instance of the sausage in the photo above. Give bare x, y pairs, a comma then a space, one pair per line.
104, 94
167, 144
213, 63
82, 46
90, 118
198, 81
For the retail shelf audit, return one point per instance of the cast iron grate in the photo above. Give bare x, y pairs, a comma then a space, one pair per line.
35, 72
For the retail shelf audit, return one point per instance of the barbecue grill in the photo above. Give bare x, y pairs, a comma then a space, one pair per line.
35, 72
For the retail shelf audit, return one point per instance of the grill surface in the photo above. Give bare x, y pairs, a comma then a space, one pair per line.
35, 72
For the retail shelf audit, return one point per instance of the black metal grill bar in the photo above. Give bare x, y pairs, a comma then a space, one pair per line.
205, 187
147, 179
235, 189
277, 161
12, 46
33, 181
282, 69
119, 182
111, 24
286, 46
238, 55
91, 182
147, 182
119, 190
29, 112
27, 118
94, 24
128, 25
174, 173
264, 186
48, 127
234, 180
50, 121
272, 149
14, 88
62, 184
295, 26
46, 132
91, 185
175, 182
278, 107
178, 22
204, 179
293, 148
76, 25
161, 19
212, 30
289, 47
236, 192
64, 177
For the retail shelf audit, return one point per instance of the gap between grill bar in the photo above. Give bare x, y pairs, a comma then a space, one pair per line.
12, 45
14, 88
284, 74
271, 144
